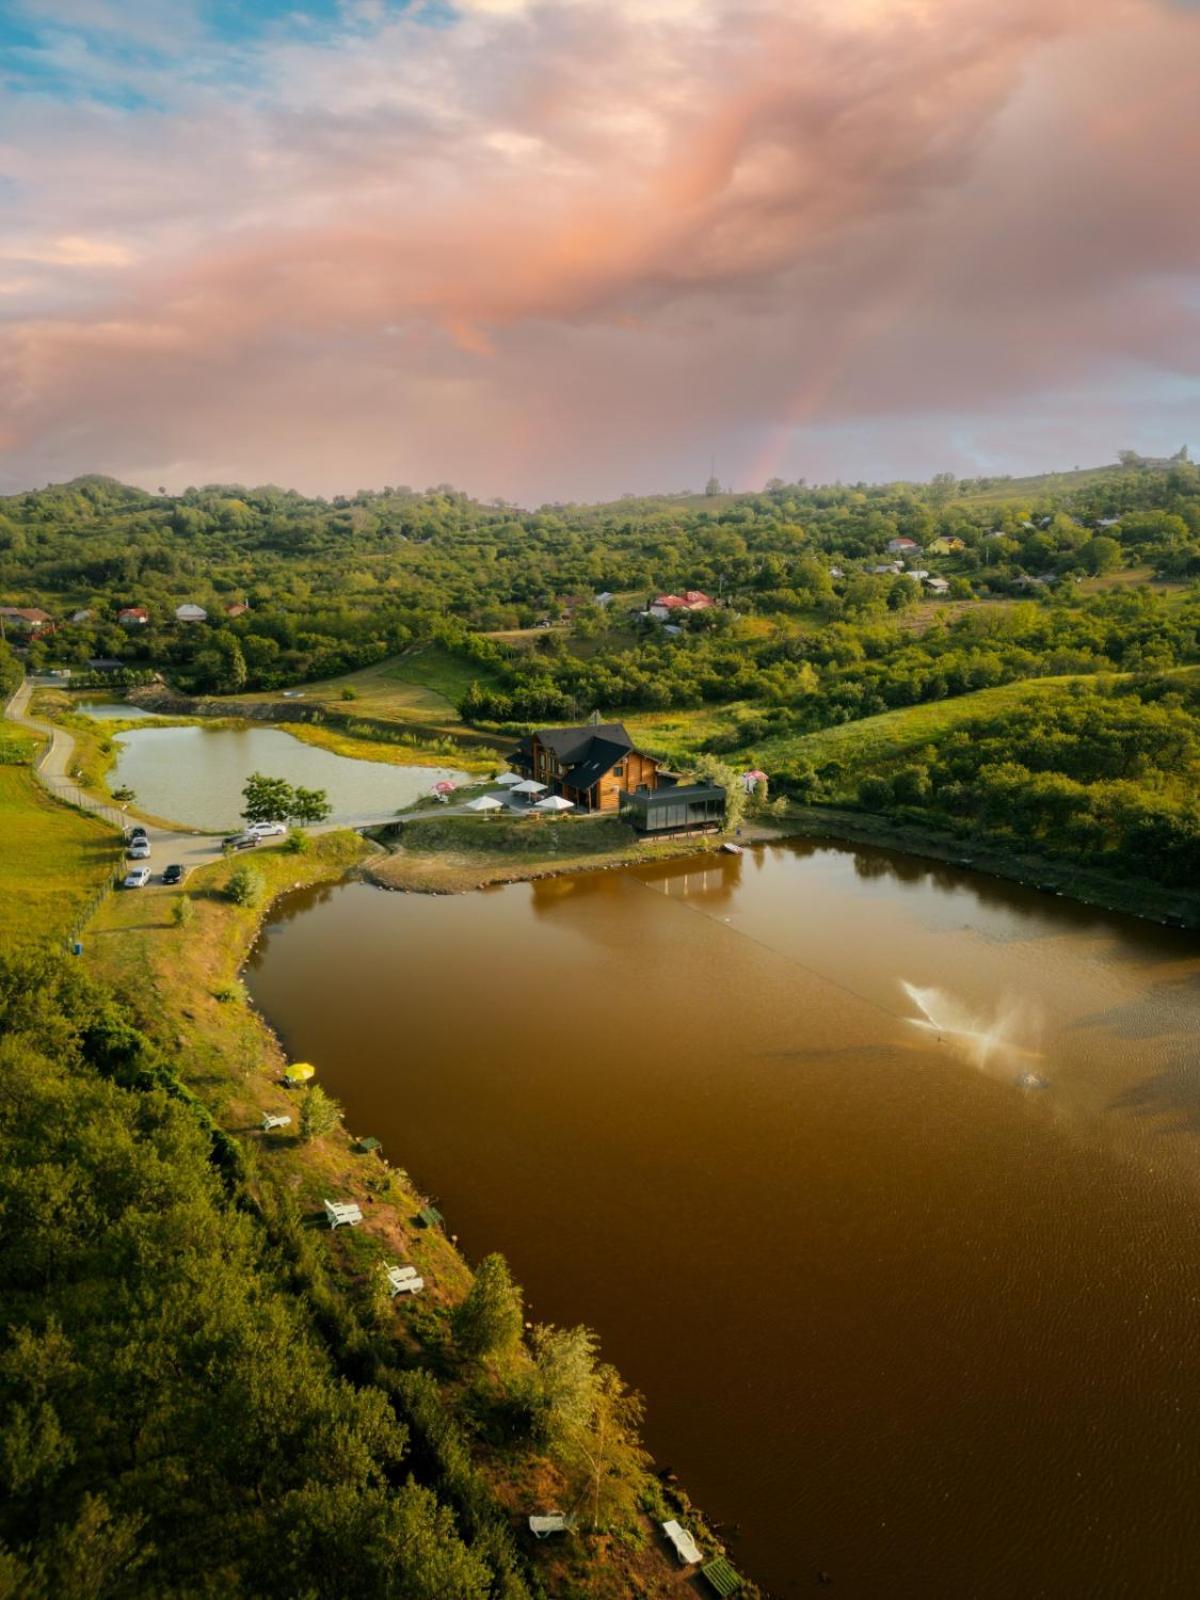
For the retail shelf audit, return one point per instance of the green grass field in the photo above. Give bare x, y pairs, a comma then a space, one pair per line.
421, 688
53, 863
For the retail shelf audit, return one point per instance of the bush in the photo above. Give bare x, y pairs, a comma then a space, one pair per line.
297, 844
183, 911
246, 887
319, 1115
489, 1319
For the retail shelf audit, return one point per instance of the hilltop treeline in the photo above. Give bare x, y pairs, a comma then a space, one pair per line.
335, 585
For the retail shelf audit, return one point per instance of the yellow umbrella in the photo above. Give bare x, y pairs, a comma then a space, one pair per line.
301, 1072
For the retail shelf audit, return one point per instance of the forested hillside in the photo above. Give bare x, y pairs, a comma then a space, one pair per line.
817, 607
321, 587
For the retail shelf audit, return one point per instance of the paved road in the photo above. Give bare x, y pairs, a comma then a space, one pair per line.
55, 769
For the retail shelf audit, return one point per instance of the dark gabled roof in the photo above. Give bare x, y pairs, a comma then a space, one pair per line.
602, 754
573, 744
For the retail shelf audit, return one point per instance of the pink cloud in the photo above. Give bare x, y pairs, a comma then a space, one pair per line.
560, 249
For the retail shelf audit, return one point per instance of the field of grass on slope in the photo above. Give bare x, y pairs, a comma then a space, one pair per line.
865, 746
53, 861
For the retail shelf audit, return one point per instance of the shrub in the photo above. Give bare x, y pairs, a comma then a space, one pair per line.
297, 844
320, 1113
489, 1320
246, 887
183, 911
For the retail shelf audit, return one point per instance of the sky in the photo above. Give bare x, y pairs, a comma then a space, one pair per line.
569, 249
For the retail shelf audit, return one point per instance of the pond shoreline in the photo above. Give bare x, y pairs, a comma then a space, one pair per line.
437, 872
1150, 902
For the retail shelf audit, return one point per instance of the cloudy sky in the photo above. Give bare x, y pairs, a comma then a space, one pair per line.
554, 249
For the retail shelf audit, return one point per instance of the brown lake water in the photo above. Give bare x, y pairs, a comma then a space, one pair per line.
897, 1315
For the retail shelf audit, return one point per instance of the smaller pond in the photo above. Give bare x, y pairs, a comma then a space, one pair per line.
195, 775
115, 711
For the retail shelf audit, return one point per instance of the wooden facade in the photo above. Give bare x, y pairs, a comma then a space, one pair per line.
592, 766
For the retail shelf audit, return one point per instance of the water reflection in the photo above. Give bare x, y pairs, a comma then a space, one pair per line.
896, 1317
195, 775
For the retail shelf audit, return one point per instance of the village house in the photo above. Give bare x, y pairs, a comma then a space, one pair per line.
239, 608
589, 766
82, 616
28, 620
946, 545
664, 605
597, 768
938, 585
133, 616
902, 545
190, 613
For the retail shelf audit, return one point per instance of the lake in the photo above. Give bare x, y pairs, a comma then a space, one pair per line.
908, 1276
195, 775
115, 711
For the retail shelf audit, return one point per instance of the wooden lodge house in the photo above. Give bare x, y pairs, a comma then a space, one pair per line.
597, 768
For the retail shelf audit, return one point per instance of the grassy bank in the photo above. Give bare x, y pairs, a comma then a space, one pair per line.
432, 854
183, 983
53, 862
1128, 896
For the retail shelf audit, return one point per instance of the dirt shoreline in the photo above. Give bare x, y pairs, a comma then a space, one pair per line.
404, 871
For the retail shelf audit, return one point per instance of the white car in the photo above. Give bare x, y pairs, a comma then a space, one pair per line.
139, 850
266, 830
138, 878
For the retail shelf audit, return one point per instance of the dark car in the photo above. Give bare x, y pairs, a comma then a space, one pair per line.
138, 832
174, 873
240, 841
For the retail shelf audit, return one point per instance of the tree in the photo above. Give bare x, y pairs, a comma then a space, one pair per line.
309, 806
489, 1320
588, 1421
319, 1114
246, 887
711, 769
266, 799
274, 800
1101, 554
941, 487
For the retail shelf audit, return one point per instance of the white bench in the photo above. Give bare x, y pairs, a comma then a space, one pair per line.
555, 1522
686, 1547
407, 1286
400, 1279
272, 1119
342, 1213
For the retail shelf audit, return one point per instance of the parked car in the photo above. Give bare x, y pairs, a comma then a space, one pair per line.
175, 873
138, 878
139, 850
137, 831
240, 841
267, 830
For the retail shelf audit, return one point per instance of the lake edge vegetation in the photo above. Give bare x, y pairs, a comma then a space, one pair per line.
366, 1452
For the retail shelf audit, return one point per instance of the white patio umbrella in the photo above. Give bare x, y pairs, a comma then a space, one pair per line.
485, 802
554, 802
507, 779
529, 786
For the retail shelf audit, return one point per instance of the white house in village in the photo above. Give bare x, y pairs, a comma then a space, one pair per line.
190, 613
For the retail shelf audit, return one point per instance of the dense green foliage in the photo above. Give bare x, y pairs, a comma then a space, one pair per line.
342, 584
170, 1423
1107, 776
489, 1320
